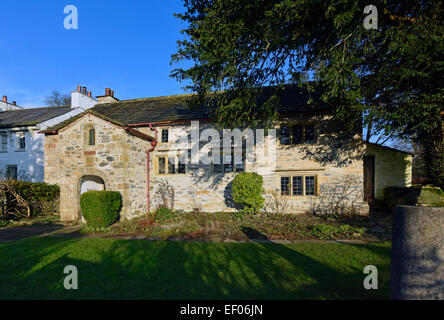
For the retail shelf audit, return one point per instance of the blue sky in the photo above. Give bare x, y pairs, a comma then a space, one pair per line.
124, 45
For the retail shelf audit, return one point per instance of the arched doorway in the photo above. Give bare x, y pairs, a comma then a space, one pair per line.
90, 183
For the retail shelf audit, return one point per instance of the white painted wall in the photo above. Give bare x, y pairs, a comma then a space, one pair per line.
5, 106
29, 162
80, 100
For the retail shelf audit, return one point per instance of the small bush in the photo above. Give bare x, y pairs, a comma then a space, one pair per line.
247, 191
100, 208
163, 213
43, 198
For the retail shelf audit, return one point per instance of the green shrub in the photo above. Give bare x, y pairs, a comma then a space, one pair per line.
163, 213
247, 191
43, 198
100, 208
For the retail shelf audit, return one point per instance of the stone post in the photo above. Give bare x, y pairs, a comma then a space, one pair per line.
417, 265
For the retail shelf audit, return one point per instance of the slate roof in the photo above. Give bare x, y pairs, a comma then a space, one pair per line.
171, 108
30, 117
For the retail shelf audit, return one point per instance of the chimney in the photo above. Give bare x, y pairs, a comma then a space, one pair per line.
5, 99
81, 98
108, 97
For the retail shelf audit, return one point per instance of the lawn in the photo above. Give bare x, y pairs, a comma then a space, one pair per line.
138, 269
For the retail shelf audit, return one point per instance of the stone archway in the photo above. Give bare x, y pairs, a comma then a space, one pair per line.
90, 179
90, 183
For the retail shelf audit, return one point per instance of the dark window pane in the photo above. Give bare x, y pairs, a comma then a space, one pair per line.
309, 185
297, 186
285, 186
181, 165
309, 134
164, 135
171, 165
161, 165
11, 172
285, 135
92, 137
297, 134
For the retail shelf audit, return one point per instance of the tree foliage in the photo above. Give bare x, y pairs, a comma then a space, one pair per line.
389, 78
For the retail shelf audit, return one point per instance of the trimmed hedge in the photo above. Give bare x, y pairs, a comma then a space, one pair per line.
42, 197
247, 191
100, 208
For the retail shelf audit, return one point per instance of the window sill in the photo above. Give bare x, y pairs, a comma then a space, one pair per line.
20, 150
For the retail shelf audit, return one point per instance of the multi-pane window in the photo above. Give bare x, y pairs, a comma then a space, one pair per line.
297, 134
309, 185
164, 135
162, 165
11, 172
285, 135
21, 142
285, 186
172, 164
91, 137
298, 185
4, 142
233, 162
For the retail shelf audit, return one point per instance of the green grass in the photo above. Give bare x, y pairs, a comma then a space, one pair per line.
137, 269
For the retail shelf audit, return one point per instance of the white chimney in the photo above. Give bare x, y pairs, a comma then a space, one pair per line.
81, 99
7, 106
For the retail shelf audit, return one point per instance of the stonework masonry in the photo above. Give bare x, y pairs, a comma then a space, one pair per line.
120, 160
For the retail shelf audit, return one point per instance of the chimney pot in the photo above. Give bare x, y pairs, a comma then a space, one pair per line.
112, 93
84, 90
14, 102
79, 88
5, 99
89, 94
107, 91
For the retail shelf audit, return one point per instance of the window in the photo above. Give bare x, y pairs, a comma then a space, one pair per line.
285, 186
310, 185
164, 135
21, 141
162, 165
181, 164
4, 142
299, 185
285, 135
172, 164
91, 137
309, 134
298, 134
11, 172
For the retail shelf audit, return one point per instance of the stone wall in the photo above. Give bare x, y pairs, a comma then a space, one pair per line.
117, 157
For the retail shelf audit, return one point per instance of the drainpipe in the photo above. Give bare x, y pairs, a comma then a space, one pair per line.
153, 145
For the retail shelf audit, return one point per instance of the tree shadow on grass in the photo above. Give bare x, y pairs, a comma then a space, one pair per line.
134, 269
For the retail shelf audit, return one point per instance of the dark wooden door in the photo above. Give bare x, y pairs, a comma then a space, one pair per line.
369, 179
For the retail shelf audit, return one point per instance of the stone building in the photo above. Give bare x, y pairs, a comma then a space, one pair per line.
131, 146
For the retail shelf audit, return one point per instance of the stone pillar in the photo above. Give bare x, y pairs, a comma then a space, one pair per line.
417, 266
